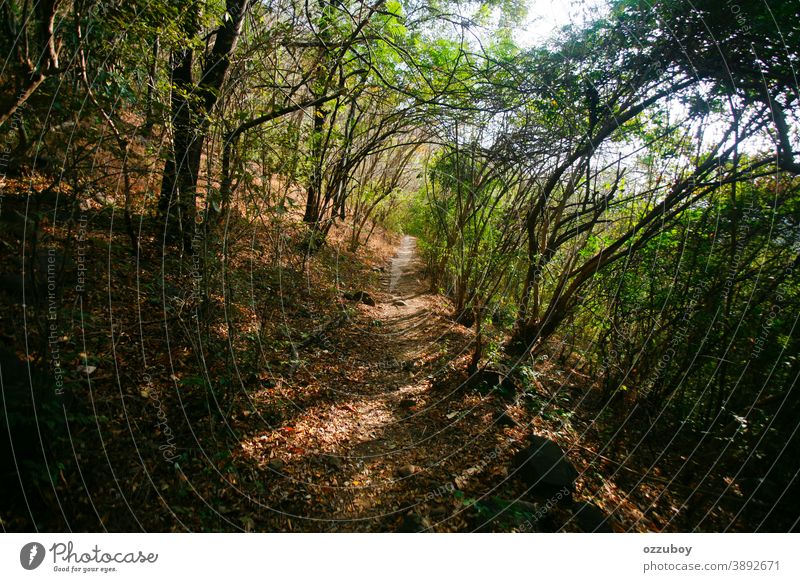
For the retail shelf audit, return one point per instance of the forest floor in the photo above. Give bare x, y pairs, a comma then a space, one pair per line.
399, 443
383, 452
280, 405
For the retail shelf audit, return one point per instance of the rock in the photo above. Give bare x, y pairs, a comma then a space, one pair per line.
399, 303
592, 519
360, 296
407, 471
544, 467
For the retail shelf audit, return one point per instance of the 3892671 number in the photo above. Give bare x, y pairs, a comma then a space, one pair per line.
753, 565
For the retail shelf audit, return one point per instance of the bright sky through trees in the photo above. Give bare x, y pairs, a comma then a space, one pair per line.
546, 16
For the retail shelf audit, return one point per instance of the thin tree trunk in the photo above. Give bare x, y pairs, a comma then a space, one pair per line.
151, 83
11, 108
45, 13
192, 105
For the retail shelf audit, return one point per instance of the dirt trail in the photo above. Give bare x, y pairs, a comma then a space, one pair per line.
385, 450
406, 268
393, 466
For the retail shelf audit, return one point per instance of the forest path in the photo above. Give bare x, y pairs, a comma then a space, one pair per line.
392, 469
406, 268
382, 450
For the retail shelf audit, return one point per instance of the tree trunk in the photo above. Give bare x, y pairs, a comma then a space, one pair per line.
46, 63
152, 81
314, 189
177, 185
192, 104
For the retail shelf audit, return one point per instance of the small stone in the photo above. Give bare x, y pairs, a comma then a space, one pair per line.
399, 303
361, 296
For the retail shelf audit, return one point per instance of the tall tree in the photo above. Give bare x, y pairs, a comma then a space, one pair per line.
192, 105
